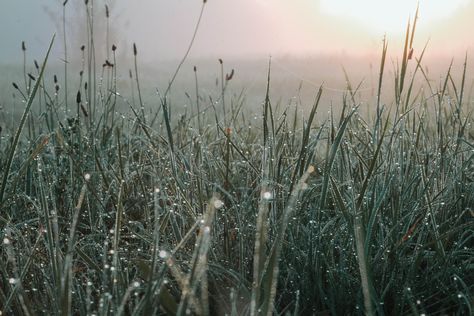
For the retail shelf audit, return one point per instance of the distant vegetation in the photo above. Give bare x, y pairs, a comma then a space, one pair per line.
219, 210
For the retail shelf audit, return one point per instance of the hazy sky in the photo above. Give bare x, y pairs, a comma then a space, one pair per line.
248, 28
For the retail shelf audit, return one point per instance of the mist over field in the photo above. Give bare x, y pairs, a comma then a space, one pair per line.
310, 44
247, 28
294, 80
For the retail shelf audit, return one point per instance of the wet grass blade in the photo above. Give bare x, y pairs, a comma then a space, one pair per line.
331, 158
271, 269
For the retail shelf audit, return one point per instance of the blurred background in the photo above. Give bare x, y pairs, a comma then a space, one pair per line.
311, 42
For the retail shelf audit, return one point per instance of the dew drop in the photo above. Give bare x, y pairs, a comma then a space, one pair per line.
218, 203
267, 195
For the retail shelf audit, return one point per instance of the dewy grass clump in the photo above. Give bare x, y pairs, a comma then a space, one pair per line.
196, 213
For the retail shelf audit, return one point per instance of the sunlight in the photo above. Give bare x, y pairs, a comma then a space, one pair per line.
390, 16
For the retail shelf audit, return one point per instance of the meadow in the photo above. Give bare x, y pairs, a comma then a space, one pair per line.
112, 203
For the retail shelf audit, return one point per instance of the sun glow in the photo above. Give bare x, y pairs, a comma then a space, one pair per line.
390, 16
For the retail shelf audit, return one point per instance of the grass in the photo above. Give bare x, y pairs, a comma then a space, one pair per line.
203, 212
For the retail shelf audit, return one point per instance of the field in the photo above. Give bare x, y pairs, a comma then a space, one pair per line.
114, 200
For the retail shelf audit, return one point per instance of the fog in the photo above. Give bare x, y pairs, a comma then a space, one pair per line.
308, 47
245, 28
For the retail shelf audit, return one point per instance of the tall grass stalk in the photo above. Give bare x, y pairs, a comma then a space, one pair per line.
66, 61
198, 103
188, 50
221, 63
137, 80
67, 273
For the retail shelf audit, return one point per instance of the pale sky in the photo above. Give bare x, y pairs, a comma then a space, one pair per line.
243, 28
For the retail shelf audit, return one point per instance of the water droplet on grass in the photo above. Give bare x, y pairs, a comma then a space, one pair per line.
218, 203
267, 195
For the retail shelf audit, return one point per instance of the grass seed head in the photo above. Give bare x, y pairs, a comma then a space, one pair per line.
229, 77
107, 64
134, 49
